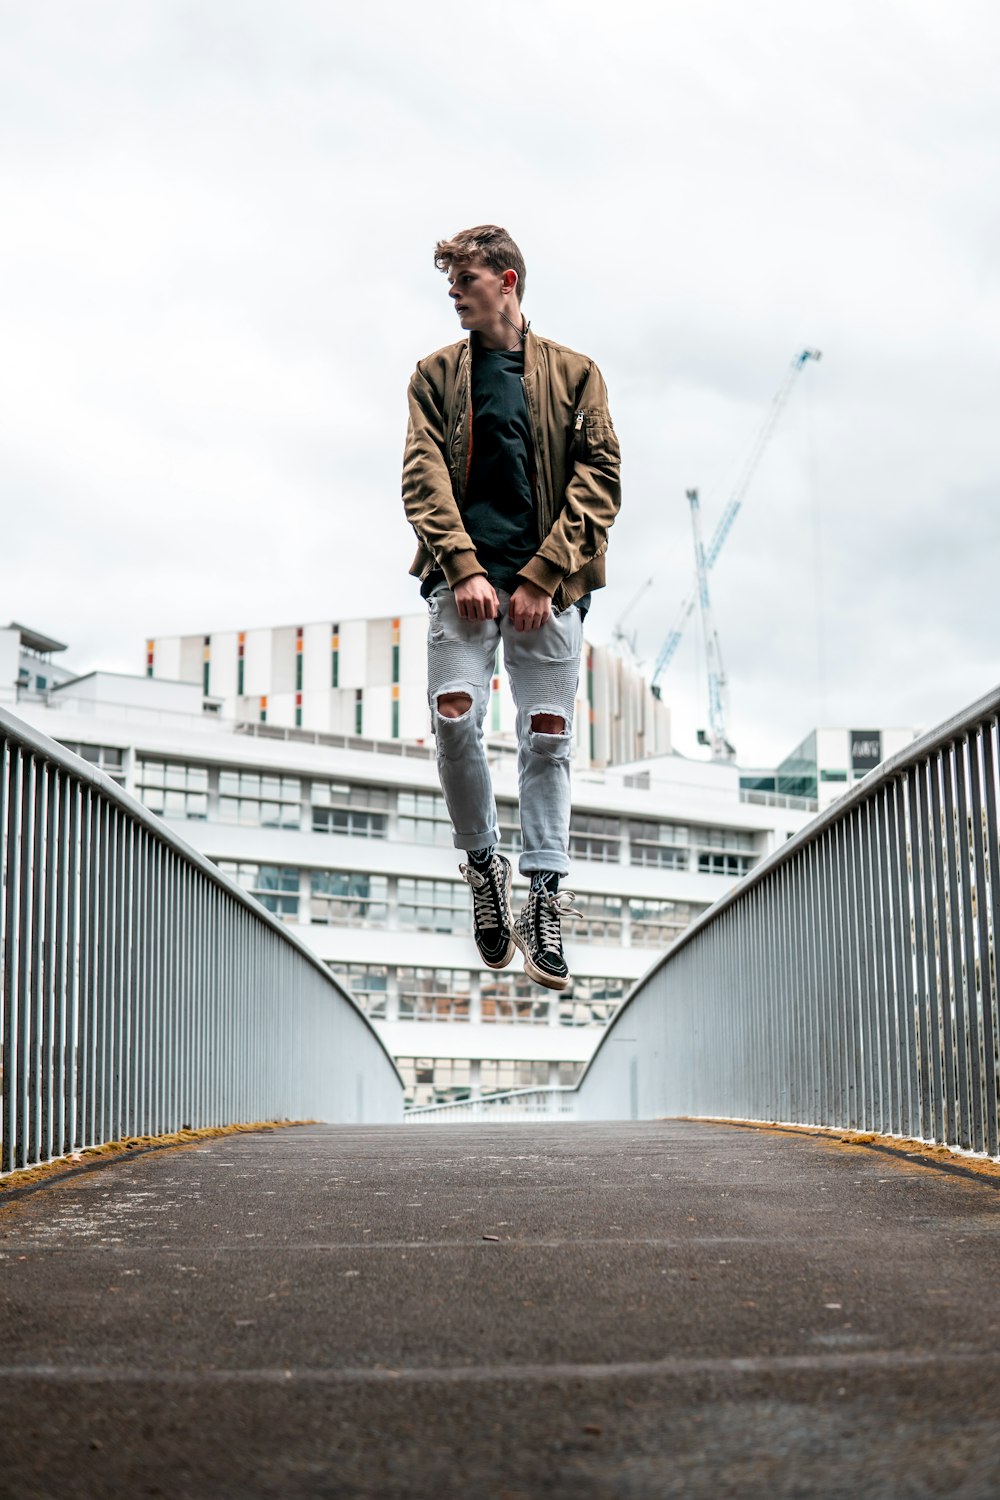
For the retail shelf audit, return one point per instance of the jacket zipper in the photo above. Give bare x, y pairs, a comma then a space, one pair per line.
461, 443
545, 518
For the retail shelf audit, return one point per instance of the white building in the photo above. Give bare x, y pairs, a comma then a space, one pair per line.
828, 763
369, 677
346, 838
26, 664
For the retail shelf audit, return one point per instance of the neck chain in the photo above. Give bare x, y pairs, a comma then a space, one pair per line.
522, 333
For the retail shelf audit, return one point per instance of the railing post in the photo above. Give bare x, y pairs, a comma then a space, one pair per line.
138, 980
990, 942
850, 978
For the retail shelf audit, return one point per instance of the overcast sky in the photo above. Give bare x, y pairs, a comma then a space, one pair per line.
218, 220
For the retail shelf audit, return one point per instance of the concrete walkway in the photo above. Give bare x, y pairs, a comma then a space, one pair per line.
648, 1310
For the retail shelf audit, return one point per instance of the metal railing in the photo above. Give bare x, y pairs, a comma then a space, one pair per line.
555, 1102
408, 749
142, 990
850, 979
778, 799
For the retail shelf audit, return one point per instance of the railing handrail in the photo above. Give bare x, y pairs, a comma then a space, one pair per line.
37, 743
541, 1088
939, 738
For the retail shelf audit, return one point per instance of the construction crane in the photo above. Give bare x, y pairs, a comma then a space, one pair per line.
618, 633
731, 511
716, 736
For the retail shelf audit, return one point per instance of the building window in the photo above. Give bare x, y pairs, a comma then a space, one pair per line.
662, 845
347, 898
659, 856
655, 924
335, 656
508, 822
435, 1080
595, 838
511, 997
258, 801
733, 865
433, 905
591, 1002
601, 921
368, 983
433, 994
359, 811
569, 1074
276, 887
172, 789
107, 758
359, 711
498, 1075
423, 819
723, 838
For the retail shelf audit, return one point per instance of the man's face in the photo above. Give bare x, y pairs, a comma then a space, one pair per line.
478, 295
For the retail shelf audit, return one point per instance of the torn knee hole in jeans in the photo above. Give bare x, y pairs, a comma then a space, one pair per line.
454, 705
547, 725
543, 722
549, 744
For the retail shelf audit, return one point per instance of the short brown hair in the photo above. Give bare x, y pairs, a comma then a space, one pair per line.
487, 243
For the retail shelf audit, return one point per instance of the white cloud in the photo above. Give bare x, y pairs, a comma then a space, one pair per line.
216, 265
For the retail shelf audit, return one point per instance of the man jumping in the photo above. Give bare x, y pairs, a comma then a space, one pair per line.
510, 481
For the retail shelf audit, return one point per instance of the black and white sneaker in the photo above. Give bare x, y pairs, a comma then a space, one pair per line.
491, 914
538, 934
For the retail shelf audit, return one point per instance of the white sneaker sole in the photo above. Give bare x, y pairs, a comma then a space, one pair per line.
550, 981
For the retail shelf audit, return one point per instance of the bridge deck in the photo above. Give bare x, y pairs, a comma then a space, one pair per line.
645, 1310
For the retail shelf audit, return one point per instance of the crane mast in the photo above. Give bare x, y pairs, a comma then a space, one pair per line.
718, 739
722, 530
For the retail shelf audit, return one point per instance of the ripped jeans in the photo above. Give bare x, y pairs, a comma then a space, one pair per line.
544, 668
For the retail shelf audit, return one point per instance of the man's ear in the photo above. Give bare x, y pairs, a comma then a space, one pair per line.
509, 281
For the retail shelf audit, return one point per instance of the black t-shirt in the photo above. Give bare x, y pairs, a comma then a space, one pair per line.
499, 510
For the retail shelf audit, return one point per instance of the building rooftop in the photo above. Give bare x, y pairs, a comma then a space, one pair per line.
34, 640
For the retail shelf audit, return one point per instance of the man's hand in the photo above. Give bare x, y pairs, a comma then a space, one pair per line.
530, 607
476, 598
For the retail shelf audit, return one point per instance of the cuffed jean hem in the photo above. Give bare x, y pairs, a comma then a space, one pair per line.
543, 859
487, 840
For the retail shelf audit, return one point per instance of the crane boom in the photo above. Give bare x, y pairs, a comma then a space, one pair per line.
722, 530
760, 442
721, 748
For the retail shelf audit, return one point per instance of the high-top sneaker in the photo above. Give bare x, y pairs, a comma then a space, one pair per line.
538, 934
491, 913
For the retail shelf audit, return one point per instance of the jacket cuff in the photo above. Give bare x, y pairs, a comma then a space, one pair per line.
460, 565
544, 574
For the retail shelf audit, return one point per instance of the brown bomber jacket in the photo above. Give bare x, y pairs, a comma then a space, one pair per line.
576, 482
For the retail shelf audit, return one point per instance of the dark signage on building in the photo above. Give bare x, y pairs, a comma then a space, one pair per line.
866, 749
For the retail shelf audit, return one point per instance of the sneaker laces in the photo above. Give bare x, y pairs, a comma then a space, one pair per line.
551, 908
484, 896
